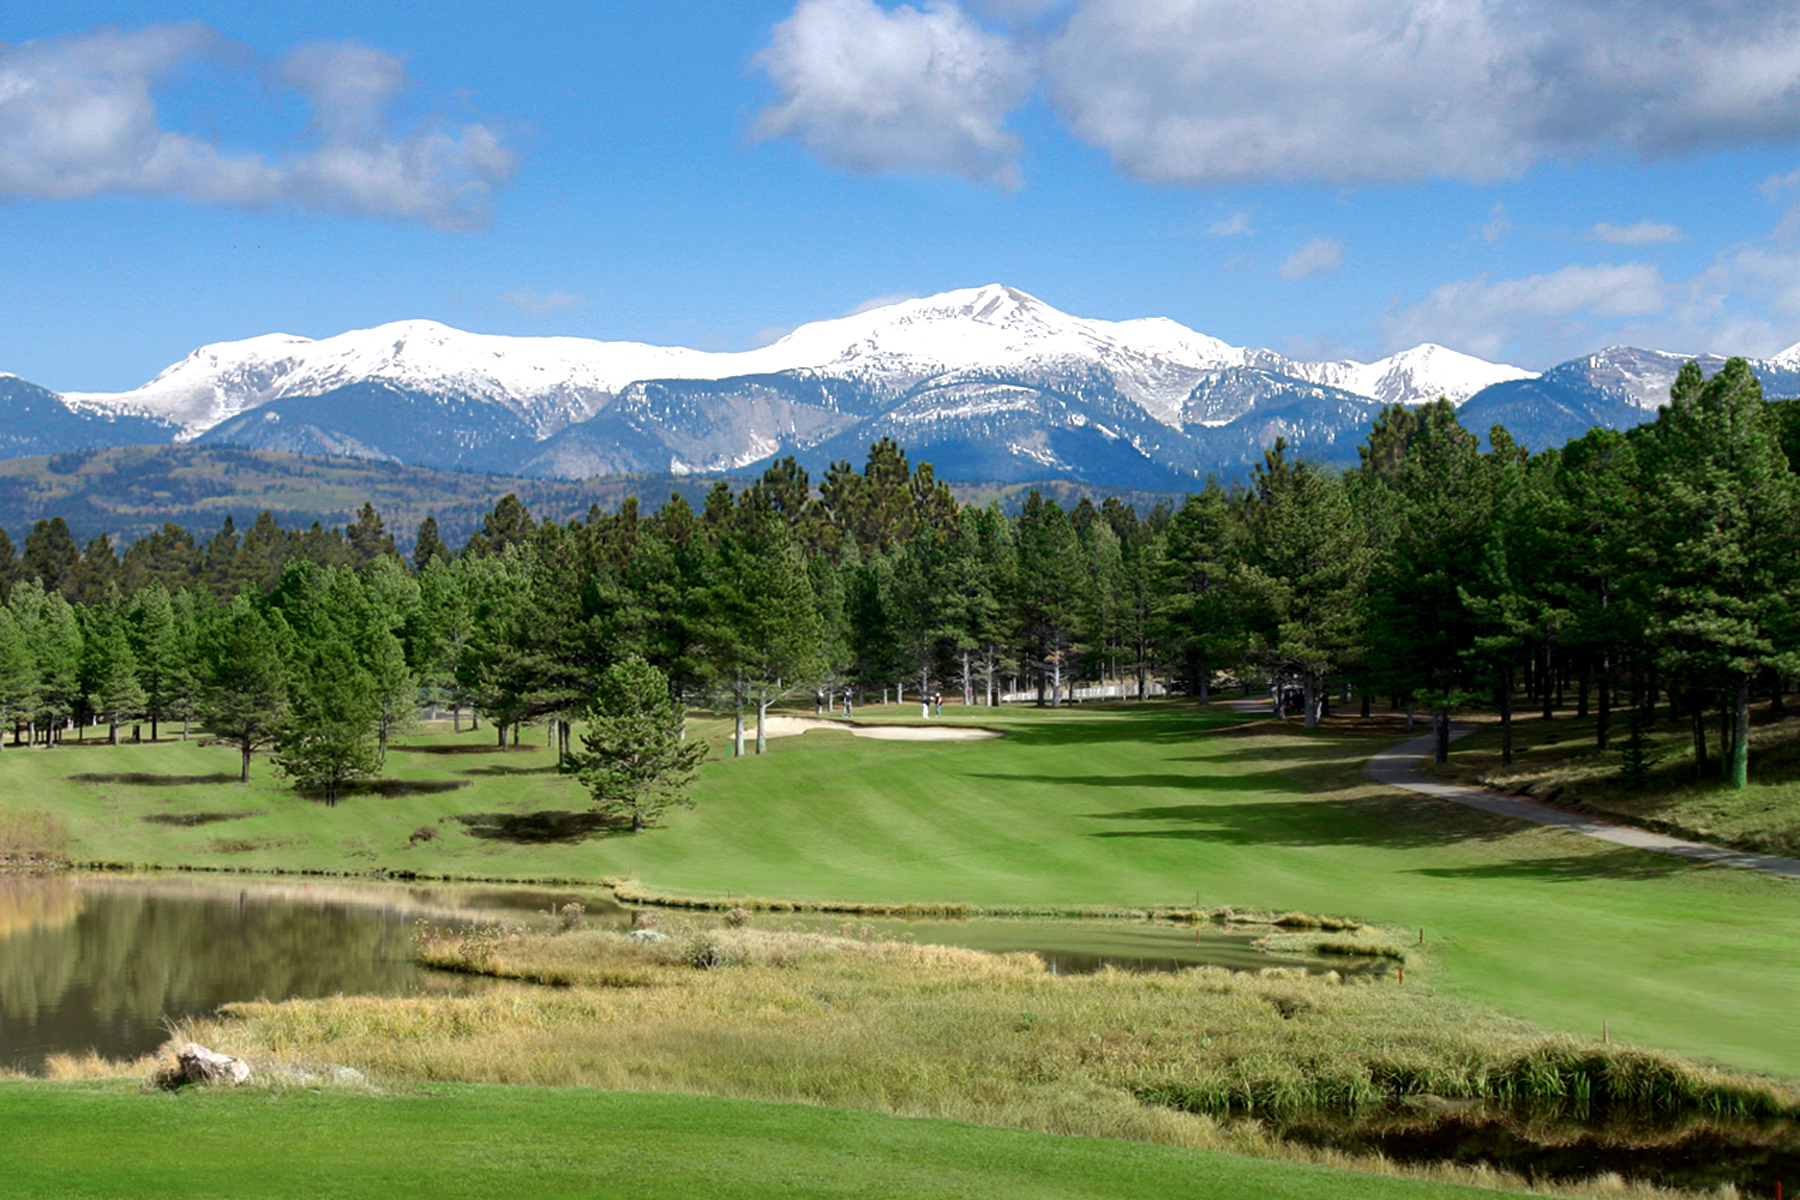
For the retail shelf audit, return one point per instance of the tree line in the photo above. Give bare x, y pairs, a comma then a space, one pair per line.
1628, 575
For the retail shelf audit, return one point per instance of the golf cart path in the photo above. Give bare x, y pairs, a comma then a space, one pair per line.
1394, 767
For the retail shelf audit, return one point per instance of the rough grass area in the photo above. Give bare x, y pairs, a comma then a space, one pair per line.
491, 1143
1556, 761
1091, 808
932, 1030
32, 838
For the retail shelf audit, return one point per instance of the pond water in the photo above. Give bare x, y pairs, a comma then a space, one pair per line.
1690, 1153
102, 962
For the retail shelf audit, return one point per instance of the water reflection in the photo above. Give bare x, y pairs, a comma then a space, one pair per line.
100, 963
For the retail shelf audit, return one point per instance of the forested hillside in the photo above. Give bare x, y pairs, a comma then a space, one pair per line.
1627, 570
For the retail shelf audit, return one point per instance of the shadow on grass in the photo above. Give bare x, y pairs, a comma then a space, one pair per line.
540, 828
1384, 821
1569, 868
389, 789
146, 779
190, 820
498, 770
483, 748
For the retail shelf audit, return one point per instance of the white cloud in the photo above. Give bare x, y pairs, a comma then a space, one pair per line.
1549, 313
1496, 225
1643, 233
538, 305
875, 302
78, 117
872, 89
1236, 223
1317, 256
1349, 91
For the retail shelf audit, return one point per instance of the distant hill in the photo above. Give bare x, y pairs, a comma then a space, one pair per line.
129, 492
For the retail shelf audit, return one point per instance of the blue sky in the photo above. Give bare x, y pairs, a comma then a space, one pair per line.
1519, 179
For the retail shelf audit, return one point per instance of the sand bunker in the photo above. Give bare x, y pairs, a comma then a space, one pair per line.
789, 726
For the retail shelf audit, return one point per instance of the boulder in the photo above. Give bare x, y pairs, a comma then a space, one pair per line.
200, 1065
648, 935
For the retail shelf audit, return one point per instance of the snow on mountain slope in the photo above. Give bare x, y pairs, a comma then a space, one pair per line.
551, 383
1415, 376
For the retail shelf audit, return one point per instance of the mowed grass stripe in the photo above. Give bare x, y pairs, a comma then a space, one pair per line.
1100, 805
492, 1143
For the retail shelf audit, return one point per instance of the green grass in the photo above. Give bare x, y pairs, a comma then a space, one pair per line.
105, 1140
1556, 761
1087, 806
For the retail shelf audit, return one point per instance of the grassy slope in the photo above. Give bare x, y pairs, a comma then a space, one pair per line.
1556, 760
87, 1140
1090, 805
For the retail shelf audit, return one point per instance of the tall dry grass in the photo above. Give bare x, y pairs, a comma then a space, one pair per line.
30, 836
1205, 1058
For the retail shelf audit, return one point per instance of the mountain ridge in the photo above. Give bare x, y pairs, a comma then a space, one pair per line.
989, 377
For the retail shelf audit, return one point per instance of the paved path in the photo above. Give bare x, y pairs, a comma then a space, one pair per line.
1394, 767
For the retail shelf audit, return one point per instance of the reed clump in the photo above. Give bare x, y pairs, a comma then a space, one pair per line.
850, 1019
32, 838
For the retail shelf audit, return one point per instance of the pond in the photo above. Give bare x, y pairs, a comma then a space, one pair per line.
103, 962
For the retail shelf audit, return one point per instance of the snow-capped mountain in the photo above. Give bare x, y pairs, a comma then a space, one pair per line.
551, 383
986, 383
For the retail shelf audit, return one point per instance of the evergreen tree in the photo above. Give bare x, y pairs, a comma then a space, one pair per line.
367, 537
18, 672
429, 547
51, 557
156, 644
1724, 536
507, 524
634, 759
760, 619
9, 566
325, 737
1052, 582
1198, 558
241, 677
53, 632
1305, 577
109, 668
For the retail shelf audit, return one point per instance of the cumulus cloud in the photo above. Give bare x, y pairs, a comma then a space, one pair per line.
1550, 311
79, 117
1495, 227
882, 301
1643, 233
538, 305
1351, 91
1236, 223
905, 89
1316, 257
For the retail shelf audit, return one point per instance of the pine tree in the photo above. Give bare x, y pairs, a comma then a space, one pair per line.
325, 737
1723, 527
428, 547
241, 685
109, 668
634, 759
155, 642
1306, 575
51, 557
1199, 556
18, 672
